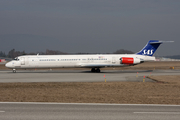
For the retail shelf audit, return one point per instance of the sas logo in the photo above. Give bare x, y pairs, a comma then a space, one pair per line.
148, 52
101, 57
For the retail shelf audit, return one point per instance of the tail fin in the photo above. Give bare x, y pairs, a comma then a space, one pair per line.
151, 47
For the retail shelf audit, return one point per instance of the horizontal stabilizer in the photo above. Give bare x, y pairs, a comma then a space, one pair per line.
160, 42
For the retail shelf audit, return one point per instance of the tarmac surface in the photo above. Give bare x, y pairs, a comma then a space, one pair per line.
69, 111
81, 75
73, 111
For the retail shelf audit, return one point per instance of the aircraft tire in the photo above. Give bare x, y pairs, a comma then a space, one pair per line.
14, 70
98, 70
93, 70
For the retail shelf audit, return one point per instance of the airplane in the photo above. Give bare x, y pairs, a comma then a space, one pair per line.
93, 61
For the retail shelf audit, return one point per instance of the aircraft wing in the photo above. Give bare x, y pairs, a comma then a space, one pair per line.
92, 65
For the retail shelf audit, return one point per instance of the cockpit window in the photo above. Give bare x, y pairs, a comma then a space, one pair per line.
16, 59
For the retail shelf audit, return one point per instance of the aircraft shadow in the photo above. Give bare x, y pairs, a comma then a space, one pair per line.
82, 71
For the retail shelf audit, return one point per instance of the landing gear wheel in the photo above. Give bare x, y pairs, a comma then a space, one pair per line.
98, 70
14, 70
93, 70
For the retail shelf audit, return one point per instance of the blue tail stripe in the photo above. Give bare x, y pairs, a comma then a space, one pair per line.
150, 48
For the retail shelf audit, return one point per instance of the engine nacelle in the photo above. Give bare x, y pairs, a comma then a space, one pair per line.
130, 60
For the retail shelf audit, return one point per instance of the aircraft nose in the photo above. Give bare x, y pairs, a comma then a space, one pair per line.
8, 65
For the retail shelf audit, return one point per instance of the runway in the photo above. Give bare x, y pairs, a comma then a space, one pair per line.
81, 75
73, 111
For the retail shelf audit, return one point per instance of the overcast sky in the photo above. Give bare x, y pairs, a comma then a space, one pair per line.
93, 26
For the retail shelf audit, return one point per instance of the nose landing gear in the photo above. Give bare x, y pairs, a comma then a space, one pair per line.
14, 70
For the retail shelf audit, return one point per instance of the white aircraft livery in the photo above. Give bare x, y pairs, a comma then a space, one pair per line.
95, 62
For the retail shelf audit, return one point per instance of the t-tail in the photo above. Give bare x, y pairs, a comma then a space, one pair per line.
151, 47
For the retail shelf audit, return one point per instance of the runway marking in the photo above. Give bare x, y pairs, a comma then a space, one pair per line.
2, 111
156, 112
51, 103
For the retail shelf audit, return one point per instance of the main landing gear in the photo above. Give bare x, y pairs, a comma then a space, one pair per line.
95, 70
14, 70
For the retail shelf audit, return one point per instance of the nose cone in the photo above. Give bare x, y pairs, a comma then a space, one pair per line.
8, 65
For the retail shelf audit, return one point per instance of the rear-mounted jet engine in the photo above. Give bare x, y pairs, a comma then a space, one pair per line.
130, 60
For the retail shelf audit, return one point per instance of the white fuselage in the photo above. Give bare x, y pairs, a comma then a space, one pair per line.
62, 61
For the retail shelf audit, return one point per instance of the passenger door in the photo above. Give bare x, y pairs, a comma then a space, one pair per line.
113, 60
22, 61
